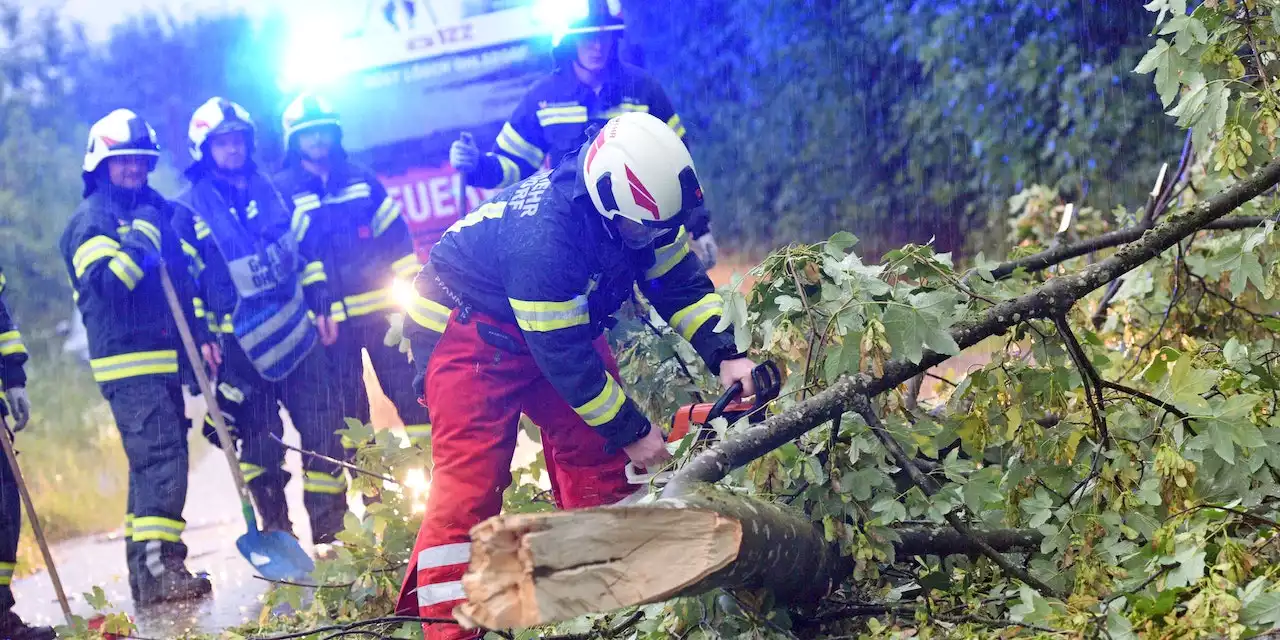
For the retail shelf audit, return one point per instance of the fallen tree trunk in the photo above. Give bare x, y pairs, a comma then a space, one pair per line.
534, 569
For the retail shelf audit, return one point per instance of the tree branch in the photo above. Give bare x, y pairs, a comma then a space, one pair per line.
1142, 395
1051, 297
1050, 257
929, 487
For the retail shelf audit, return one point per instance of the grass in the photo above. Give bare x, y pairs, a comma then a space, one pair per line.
70, 455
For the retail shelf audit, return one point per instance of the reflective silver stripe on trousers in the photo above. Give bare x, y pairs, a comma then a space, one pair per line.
429, 594
155, 564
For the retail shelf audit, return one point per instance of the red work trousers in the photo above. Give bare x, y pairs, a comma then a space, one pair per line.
477, 392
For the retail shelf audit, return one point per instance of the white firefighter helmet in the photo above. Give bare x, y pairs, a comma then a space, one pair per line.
306, 111
120, 133
638, 168
214, 117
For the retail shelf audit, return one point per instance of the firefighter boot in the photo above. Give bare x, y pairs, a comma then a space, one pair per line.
171, 585
13, 628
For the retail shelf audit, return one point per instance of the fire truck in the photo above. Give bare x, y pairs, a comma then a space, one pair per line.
409, 76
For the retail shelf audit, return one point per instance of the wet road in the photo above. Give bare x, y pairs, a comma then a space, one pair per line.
213, 524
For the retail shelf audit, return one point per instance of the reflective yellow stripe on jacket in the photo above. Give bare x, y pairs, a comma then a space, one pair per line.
11, 343
512, 142
666, 257
130, 365
688, 320
605, 406
428, 314
534, 315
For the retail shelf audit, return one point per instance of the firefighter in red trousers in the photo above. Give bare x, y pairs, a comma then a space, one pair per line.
530, 280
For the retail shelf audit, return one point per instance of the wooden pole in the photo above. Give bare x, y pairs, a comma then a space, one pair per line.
35, 521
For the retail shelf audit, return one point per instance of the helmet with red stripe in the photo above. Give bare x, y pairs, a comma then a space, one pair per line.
120, 133
638, 169
217, 116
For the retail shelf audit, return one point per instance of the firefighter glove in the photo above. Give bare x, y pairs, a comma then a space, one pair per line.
464, 155
19, 407
706, 249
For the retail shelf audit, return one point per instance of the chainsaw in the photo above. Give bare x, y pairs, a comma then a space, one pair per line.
697, 419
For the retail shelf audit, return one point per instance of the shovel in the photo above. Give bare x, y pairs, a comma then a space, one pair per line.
275, 554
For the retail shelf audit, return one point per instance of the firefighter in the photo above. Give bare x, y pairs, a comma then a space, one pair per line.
112, 248
366, 248
533, 277
589, 85
13, 404
260, 290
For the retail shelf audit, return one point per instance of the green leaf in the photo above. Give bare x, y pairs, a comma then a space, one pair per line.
1223, 444
1176, 7
1215, 114
1168, 65
1119, 627
1236, 354
1187, 385
910, 329
843, 358
1189, 569
1263, 611
839, 244
1031, 607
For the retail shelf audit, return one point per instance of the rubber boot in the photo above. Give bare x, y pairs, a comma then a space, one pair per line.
13, 628
174, 585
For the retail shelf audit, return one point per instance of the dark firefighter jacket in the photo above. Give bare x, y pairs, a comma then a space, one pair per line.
553, 117
112, 259
13, 353
539, 256
364, 243
253, 281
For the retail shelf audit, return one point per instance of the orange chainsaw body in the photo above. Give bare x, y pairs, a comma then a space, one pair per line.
697, 414
767, 378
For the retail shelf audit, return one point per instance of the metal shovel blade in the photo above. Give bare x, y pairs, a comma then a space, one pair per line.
276, 555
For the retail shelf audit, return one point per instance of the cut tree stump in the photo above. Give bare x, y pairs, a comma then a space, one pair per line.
533, 569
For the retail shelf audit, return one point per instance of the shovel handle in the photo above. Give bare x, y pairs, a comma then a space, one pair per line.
206, 388
35, 522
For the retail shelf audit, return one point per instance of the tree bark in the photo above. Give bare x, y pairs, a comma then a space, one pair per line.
533, 569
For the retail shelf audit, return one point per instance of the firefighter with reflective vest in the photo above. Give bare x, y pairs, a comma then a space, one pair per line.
14, 404
267, 299
590, 85
112, 248
366, 247
525, 286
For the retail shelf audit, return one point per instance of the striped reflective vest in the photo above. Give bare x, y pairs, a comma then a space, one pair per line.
259, 258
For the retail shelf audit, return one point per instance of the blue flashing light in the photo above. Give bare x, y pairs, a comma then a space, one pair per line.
555, 16
313, 55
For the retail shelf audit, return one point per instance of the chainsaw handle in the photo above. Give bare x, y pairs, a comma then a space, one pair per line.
723, 401
767, 378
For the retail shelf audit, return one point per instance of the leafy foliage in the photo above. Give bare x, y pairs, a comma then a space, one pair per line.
1141, 442
903, 120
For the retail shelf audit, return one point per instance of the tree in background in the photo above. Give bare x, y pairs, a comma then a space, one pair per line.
164, 68
904, 119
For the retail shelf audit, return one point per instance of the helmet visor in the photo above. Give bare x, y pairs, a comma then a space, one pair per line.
636, 235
